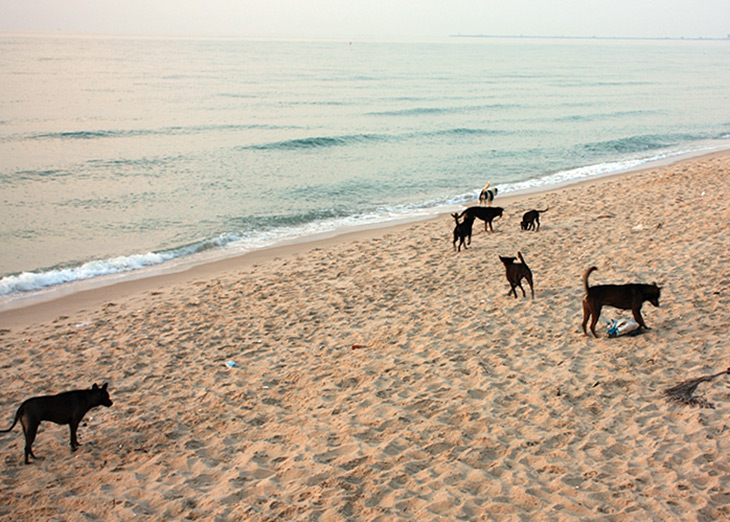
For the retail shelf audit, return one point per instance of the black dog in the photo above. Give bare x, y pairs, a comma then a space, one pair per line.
627, 297
516, 272
487, 195
486, 214
65, 408
462, 231
530, 218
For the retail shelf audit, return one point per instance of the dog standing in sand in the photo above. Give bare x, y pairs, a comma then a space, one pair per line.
516, 272
530, 218
486, 214
462, 231
626, 297
487, 195
64, 408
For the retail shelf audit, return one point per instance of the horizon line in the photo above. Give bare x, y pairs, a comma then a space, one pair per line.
569, 37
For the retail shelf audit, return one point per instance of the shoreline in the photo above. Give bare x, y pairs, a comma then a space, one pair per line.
74, 298
387, 377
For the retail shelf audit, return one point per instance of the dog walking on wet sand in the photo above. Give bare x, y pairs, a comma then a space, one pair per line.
626, 297
487, 195
64, 408
516, 272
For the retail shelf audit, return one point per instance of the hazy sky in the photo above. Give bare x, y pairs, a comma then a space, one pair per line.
351, 19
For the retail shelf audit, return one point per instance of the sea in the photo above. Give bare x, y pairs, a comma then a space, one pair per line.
123, 154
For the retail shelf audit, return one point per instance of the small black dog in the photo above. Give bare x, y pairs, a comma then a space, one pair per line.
516, 272
626, 297
487, 195
530, 218
462, 231
486, 214
65, 408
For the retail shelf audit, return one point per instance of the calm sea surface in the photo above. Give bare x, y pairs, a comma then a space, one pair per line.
121, 153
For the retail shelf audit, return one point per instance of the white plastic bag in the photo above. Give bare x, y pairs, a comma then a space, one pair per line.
620, 327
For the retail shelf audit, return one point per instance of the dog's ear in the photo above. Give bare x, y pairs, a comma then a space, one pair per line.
103, 386
95, 387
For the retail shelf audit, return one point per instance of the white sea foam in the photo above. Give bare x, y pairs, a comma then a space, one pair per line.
236, 244
32, 281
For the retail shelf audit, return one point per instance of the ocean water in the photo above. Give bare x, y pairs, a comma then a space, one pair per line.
123, 153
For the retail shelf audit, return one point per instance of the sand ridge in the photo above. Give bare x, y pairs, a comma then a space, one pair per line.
392, 378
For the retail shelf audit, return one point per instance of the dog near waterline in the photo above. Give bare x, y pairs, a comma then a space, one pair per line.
64, 408
629, 296
530, 218
487, 195
516, 272
462, 231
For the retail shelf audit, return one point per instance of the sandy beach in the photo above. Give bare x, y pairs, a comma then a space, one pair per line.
383, 376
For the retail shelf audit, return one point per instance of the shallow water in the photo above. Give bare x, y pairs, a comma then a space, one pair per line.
120, 153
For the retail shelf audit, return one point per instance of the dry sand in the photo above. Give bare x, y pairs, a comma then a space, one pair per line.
387, 377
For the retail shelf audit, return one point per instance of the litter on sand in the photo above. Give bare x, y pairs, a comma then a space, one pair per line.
683, 391
620, 327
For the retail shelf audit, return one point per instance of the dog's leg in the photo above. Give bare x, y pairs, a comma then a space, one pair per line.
636, 311
529, 280
73, 426
519, 283
30, 429
586, 315
596, 313
537, 219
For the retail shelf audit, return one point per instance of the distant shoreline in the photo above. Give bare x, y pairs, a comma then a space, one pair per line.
648, 38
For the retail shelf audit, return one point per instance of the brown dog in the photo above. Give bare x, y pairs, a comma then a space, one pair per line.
626, 297
516, 272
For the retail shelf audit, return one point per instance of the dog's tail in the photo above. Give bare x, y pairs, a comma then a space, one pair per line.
546, 209
17, 416
522, 259
585, 277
